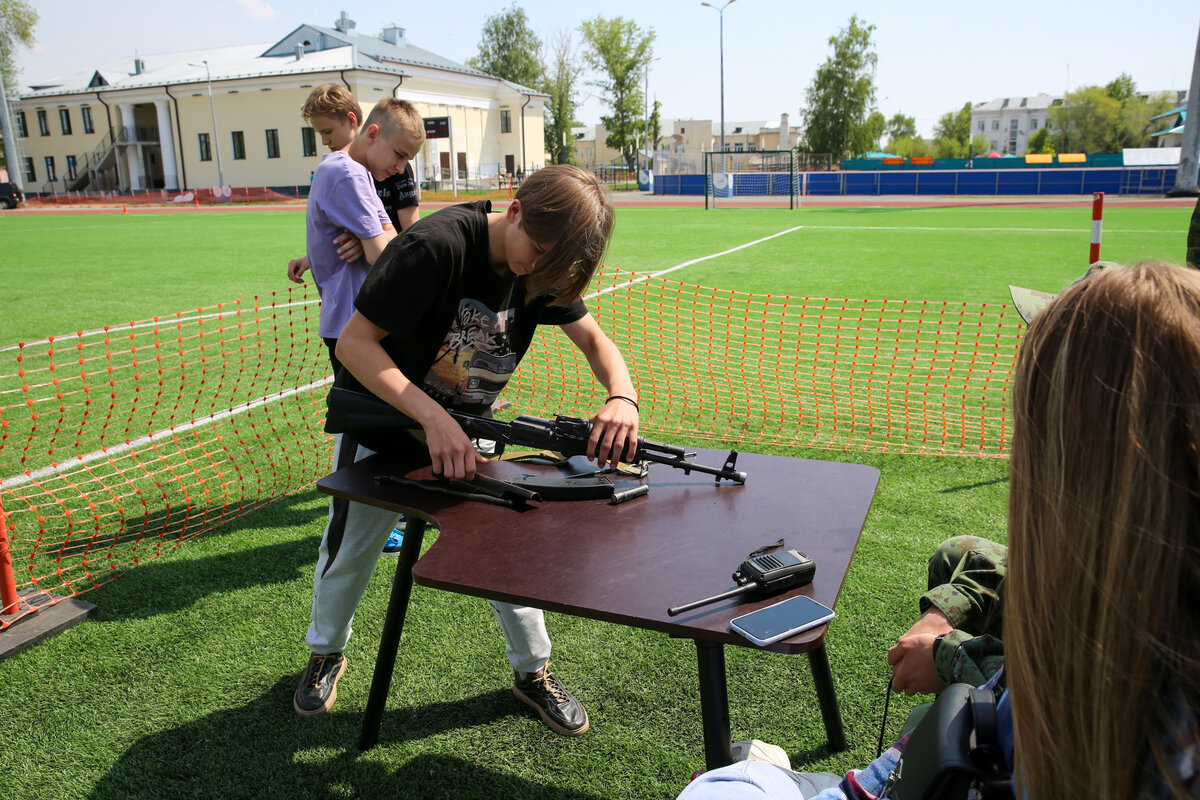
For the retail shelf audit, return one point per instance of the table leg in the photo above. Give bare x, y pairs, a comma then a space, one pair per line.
393, 626
714, 704
818, 661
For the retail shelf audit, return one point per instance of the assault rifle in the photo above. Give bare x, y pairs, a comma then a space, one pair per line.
352, 412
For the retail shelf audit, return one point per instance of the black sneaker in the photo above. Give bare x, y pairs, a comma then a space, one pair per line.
318, 688
557, 707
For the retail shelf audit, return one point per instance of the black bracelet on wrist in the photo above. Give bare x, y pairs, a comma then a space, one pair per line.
629, 400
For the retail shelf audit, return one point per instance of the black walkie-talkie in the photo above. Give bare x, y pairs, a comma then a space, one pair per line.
776, 572
762, 575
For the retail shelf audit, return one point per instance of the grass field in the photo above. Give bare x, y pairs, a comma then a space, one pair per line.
181, 686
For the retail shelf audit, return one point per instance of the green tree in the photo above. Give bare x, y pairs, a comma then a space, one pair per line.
618, 50
1121, 88
842, 95
952, 134
17, 21
1088, 121
901, 127
873, 130
909, 147
1040, 142
561, 77
509, 49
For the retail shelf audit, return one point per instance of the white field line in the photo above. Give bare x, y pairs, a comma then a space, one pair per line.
110, 452
669, 270
164, 322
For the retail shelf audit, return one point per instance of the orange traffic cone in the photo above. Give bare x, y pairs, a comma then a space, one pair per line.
124, 210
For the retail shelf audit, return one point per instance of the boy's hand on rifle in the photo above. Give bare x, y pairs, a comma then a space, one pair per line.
453, 455
614, 428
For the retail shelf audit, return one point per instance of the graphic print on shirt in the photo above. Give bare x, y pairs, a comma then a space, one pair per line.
475, 361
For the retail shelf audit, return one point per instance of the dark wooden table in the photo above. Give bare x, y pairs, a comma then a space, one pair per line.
628, 563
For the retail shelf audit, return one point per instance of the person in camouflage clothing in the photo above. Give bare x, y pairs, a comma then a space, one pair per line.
1193, 239
957, 638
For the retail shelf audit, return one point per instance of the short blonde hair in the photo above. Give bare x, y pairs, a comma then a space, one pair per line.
333, 101
393, 116
568, 209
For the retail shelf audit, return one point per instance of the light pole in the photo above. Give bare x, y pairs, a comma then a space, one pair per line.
721, 12
213, 108
646, 103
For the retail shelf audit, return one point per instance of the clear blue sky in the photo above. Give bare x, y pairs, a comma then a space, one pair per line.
933, 56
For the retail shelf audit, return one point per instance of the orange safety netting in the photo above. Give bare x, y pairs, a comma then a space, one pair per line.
119, 444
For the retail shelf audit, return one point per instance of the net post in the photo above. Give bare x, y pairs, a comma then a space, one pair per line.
8, 583
1097, 224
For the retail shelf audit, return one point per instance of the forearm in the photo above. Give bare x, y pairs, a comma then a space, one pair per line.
407, 216
373, 247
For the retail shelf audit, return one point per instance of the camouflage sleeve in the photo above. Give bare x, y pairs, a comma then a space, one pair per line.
966, 579
962, 658
1193, 239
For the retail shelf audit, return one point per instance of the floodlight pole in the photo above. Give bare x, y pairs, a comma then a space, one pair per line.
721, 12
213, 109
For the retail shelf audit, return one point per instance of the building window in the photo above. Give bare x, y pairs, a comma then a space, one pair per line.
1033, 124
22, 128
239, 146
64, 120
272, 143
308, 141
85, 113
51, 174
43, 123
505, 121
205, 147
737, 148
982, 127
30, 173
995, 124
72, 168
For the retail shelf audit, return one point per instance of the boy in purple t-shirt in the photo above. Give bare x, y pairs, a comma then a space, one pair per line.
343, 200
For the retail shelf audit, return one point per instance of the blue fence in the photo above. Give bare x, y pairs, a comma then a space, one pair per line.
987, 182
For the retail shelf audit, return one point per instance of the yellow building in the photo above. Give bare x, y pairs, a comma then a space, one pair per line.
151, 122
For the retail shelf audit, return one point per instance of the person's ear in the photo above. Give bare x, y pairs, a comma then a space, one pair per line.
514, 210
372, 133
352, 118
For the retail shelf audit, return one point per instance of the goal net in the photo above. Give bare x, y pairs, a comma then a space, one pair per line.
756, 173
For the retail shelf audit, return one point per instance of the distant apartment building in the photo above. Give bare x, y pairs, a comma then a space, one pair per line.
1008, 122
148, 122
683, 142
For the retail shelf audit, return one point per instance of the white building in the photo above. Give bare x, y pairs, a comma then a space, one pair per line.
148, 122
1008, 122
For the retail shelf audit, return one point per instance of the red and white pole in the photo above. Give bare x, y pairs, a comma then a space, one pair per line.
1097, 223
8, 584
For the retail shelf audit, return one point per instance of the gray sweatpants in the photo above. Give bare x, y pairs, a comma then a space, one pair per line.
350, 548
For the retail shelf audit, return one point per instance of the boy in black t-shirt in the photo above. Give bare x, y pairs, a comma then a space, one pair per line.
443, 320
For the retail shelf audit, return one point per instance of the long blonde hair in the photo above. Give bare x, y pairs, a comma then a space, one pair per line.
1102, 596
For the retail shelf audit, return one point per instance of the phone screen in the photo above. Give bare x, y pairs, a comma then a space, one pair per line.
781, 620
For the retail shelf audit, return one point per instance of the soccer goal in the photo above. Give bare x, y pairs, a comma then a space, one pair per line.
754, 173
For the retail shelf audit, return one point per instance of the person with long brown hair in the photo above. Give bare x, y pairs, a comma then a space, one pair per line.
1102, 617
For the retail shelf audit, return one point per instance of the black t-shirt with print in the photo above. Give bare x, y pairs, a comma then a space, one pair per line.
456, 327
398, 191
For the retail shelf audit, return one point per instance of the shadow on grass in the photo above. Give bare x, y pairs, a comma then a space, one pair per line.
263, 750
176, 580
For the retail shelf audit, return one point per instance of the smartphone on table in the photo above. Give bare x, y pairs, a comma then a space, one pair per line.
781, 620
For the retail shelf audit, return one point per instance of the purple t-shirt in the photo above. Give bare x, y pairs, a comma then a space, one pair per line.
342, 199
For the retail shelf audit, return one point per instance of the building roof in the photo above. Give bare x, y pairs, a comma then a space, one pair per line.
1038, 102
322, 50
